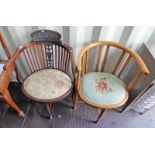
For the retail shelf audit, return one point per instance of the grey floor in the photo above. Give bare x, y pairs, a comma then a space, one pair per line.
65, 117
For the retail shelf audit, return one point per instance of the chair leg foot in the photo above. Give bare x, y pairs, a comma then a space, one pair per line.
8, 99
100, 115
49, 110
21, 113
76, 96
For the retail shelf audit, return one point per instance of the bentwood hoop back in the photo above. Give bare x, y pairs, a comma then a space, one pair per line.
104, 83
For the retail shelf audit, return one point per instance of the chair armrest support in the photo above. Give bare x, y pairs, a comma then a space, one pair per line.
73, 65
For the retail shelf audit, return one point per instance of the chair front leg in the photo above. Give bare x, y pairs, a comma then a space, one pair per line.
8, 99
100, 115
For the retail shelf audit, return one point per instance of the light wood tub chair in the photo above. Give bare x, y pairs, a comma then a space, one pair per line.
105, 90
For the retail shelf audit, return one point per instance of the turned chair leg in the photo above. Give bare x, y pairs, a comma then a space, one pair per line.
100, 115
76, 100
8, 99
49, 110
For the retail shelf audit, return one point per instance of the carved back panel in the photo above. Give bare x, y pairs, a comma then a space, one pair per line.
46, 35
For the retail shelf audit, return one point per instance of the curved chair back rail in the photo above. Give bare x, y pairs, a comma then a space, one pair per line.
108, 44
83, 60
41, 55
46, 35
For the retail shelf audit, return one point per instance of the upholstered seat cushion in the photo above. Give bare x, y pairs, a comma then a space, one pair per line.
103, 88
47, 84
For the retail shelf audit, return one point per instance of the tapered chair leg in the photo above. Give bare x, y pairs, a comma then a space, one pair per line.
100, 115
76, 96
8, 99
49, 110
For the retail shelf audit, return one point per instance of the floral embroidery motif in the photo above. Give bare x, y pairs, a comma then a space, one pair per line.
103, 85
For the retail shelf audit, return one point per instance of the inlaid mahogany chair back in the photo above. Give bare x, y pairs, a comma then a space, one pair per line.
5, 77
105, 84
46, 35
41, 55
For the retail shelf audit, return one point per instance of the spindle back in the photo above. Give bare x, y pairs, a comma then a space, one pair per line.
41, 55
121, 64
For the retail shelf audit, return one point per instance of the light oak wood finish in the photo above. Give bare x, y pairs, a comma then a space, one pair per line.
99, 57
105, 57
125, 50
118, 62
125, 65
87, 61
5, 78
133, 81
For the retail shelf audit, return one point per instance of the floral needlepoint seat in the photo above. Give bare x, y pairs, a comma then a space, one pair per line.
103, 89
106, 90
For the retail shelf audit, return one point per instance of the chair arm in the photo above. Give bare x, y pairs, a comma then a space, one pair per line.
142, 67
73, 65
14, 57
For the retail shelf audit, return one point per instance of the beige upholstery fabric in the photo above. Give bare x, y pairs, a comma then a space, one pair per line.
47, 84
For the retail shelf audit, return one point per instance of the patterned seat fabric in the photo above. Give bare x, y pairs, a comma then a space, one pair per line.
103, 88
47, 84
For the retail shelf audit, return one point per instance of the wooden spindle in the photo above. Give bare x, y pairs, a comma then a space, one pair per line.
36, 57
99, 57
118, 62
27, 60
40, 57
61, 58
133, 81
30, 60
52, 56
68, 60
87, 61
65, 59
124, 66
105, 57
56, 61
43, 55
32, 52
83, 65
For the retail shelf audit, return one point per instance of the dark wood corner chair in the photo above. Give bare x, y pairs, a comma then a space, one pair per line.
105, 90
48, 66
5, 77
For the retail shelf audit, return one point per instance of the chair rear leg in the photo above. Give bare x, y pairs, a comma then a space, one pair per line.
8, 99
100, 115
76, 96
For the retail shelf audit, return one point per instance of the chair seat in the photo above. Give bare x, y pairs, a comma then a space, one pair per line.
103, 89
47, 85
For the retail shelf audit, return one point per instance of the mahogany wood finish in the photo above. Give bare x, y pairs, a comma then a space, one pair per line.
82, 64
42, 55
46, 35
5, 78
